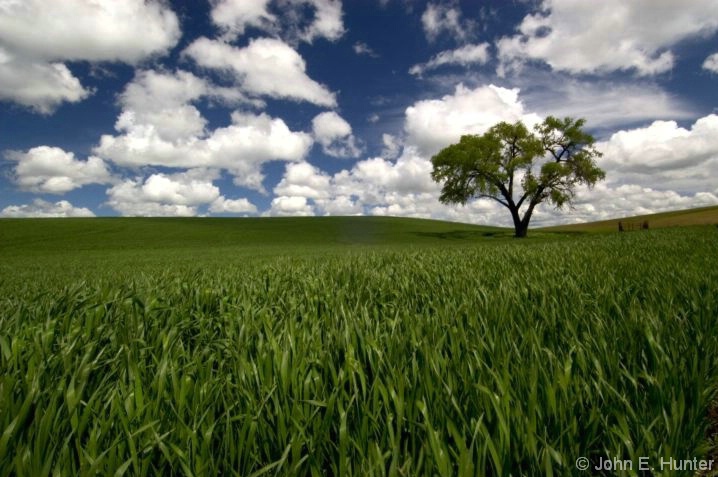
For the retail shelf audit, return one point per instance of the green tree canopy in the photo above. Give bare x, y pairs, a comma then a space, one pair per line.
519, 168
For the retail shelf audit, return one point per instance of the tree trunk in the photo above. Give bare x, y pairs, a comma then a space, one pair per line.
521, 225
520, 228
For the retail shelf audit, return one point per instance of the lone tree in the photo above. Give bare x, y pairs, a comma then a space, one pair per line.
518, 168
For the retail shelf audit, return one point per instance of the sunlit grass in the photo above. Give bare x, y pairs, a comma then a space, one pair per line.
509, 358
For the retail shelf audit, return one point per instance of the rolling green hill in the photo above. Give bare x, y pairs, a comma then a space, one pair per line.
242, 235
676, 218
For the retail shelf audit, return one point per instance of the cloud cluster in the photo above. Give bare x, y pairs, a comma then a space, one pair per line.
45, 209
176, 158
402, 186
37, 37
686, 160
607, 36
241, 148
160, 126
233, 17
177, 194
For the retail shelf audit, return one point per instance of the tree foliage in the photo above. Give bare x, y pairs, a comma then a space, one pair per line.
519, 168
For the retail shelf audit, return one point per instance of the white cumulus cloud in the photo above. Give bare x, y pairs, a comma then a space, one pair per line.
233, 16
241, 148
610, 35
334, 133
37, 36
263, 68
163, 100
289, 20
664, 155
41, 86
685, 161
327, 22
44, 209
436, 123
290, 206
303, 180
164, 194
53, 170
222, 205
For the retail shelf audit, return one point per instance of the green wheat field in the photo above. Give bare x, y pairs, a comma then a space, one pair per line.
351, 346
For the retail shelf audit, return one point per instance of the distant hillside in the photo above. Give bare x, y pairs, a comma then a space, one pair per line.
699, 216
243, 235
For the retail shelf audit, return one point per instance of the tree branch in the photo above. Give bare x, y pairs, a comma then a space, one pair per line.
488, 196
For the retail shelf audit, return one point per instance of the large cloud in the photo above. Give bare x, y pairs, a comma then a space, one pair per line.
263, 68
165, 100
665, 155
44, 209
53, 170
610, 35
89, 30
435, 123
36, 36
38, 85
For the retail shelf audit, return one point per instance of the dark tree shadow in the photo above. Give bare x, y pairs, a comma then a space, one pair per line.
460, 234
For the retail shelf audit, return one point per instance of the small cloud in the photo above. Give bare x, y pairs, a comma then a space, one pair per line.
335, 135
361, 48
392, 146
464, 56
438, 19
711, 63
373, 118
232, 206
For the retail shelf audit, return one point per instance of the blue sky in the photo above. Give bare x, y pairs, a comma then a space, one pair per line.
328, 107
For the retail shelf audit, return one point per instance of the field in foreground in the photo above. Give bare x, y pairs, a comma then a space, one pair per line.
440, 355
